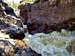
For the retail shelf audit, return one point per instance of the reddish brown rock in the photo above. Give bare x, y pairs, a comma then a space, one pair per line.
49, 15
23, 13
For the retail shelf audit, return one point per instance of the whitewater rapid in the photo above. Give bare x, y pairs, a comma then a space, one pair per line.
52, 44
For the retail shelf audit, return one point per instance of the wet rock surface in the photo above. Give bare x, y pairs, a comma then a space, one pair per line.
7, 49
71, 47
3, 25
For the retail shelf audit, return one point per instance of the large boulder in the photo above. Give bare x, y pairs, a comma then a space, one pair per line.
47, 16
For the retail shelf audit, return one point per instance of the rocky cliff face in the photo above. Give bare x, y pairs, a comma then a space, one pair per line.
50, 15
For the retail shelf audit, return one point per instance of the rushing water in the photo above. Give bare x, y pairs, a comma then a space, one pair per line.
52, 44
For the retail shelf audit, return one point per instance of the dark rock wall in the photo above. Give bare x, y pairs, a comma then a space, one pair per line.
47, 16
